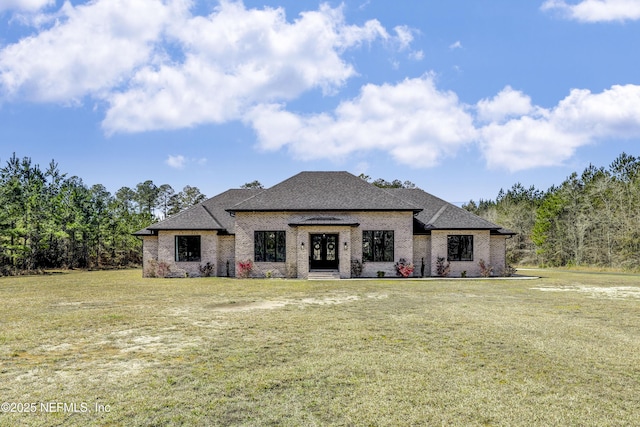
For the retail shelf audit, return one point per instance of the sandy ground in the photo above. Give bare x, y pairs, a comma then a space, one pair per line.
613, 292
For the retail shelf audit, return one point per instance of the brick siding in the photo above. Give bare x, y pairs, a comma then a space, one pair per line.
421, 252
167, 250
498, 253
229, 248
297, 257
481, 250
226, 256
149, 253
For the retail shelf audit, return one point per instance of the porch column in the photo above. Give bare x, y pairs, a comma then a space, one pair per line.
345, 253
302, 253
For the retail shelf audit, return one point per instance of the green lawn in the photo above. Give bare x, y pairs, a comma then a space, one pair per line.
560, 350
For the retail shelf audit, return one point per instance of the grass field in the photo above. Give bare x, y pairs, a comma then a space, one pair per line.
111, 348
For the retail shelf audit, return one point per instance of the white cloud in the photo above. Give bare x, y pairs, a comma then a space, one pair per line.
26, 5
89, 49
155, 65
505, 104
597, 10
404, 36
236, 58
540, 137
180, 161
176, 162
526, 143
364, 5
614, 113
416, 55
402, 40
418, 125
412, 121
456, 45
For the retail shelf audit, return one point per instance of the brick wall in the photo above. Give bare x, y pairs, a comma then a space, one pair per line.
220, 249
249, 222
226, 255
402, 225
422, 251
297, 264
481, 250
149, 253
498, 252
167, 250
344, 254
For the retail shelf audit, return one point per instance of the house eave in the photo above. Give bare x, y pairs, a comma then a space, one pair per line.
145, 232
233, 211
186, 229
492, 230
324, 224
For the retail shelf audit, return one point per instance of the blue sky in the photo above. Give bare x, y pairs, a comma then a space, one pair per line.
462, 97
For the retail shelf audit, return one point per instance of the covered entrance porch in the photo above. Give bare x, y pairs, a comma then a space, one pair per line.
323, 245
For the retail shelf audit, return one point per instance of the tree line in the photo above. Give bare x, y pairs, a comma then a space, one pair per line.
380, 182
51, 220
590, 219
383, 183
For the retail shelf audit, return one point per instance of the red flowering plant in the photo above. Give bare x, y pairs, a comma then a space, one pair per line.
245, 268
485, 269
163, 269
442, 269
404, 268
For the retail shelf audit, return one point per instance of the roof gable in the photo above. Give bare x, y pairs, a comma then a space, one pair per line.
217, 205
208, 215
324, 191
196, 217
439, 214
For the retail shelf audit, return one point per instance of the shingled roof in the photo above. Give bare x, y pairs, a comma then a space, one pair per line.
196, 217
324, 191
440, 214
208, 215
217, 205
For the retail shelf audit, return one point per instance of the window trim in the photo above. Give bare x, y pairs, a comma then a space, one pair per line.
459, 256
279, 242
177, 248
370, 236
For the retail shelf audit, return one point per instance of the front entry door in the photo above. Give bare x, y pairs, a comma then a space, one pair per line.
324, 252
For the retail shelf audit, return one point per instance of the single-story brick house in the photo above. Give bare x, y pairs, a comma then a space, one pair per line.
323, 221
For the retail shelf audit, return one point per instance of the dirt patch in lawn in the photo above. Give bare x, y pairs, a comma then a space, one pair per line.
612, 292
274, 304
